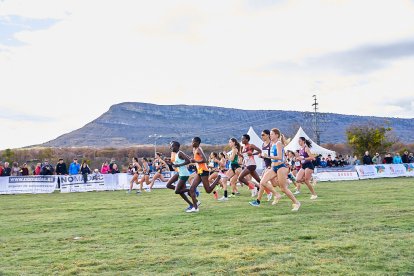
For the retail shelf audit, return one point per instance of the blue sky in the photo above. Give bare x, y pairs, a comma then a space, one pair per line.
65, 62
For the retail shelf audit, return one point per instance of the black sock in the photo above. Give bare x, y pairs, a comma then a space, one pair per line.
258, 201
233, 193
214, 192
257, 188
225, 193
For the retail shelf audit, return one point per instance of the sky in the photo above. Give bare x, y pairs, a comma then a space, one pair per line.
63, 63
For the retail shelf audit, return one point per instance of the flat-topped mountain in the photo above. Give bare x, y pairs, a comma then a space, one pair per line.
129, 124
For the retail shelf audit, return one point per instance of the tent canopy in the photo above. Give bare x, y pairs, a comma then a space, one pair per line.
315, 149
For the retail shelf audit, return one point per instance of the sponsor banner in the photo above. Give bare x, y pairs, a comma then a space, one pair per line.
409, 169
385, 170
105, 182
28, 184
336, 174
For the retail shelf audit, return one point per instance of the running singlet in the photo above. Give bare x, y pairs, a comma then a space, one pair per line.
200, 166
182, 170
302, 152
273, 152
267, 161
248, 160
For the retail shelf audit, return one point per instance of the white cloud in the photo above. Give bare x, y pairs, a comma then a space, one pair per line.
104, 52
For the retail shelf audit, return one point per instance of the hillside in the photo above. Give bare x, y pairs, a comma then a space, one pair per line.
129, 124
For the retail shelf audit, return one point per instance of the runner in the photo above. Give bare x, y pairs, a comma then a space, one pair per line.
248, 151
222, 173
305, 173
235, 169
180, 160
202, 174
266, 146
145, 174
136, 167
159, 165
279, 169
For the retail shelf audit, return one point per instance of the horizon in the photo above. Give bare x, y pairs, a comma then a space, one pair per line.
64, 63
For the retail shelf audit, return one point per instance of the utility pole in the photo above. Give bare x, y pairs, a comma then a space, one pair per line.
315, 121
156, 137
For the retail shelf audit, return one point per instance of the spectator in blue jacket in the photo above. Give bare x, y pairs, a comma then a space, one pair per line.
74, 167
397, 159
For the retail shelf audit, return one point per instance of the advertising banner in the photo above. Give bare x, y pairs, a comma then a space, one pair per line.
28, 184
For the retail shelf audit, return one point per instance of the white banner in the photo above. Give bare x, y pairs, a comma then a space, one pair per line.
28, 184
336, 174
385, 170
105, 182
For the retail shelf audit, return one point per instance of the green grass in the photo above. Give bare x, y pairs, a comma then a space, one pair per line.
353, 228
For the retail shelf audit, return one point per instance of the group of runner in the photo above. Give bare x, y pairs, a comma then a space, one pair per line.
236, 166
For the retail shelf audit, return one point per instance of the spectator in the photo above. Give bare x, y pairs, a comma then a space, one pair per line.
323, 163
85, 171
169, 164
111, 164
38, 169
404, 157
96, 174
15, 171
61, 168
47, 169
397, 159
356, 162
367, 160
411, 157
130, 169
74, 167
114, 168
1, 168
25, 170
6, 169
376, 160
341, 161
329, 161
388, 159
105, 168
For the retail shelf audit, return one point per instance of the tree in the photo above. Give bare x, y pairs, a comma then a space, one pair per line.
368, 137
8, 155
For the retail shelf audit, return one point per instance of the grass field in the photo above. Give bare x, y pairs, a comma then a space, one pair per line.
353, 228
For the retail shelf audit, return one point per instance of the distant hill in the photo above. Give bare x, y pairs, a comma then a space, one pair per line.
129, 124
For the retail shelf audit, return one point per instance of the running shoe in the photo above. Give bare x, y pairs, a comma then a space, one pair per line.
138, 192
276, 200
254, 203
238, 193
128, 192
269, 196
296, 192
192, 210
231, 195
295, 207
198, 203
223, 198
189, 207
197, 193
314, 197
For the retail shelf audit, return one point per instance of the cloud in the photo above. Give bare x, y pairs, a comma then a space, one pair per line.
13, 24
360, 60
8, 114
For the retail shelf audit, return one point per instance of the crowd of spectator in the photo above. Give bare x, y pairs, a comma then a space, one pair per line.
111, 167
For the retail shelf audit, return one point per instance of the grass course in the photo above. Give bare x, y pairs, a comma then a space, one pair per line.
353, 228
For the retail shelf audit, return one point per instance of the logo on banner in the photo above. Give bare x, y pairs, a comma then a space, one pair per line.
409, 167
31, 179
380, 169
76, 179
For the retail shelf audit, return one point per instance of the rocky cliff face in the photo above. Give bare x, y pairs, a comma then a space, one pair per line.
129, 124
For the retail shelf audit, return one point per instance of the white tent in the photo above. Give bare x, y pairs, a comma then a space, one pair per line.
315, 149
257, 141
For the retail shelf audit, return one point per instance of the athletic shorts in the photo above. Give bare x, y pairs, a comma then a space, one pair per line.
234, 167
308, 165
204, 173
251, 168
276, 168
184, 178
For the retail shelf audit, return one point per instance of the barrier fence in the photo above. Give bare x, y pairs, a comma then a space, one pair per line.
115, 182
